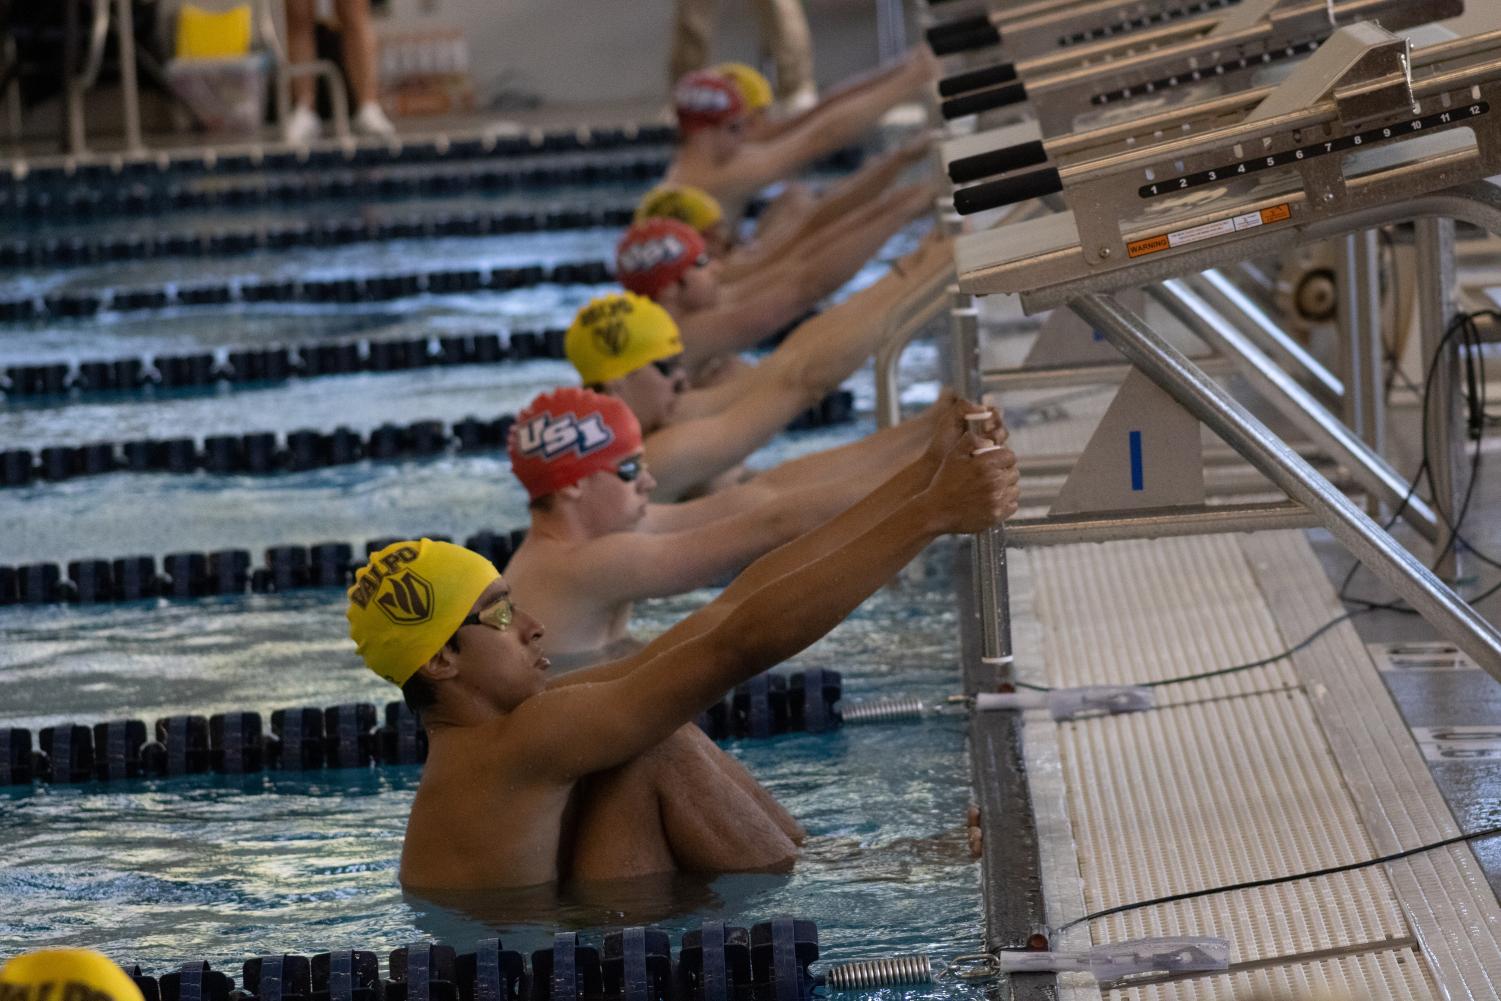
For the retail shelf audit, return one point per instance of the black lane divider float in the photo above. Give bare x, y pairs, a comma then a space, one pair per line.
375, 288
308, 738
267, 452
275, 364
56, 252
769, 961
441, 149
25, 203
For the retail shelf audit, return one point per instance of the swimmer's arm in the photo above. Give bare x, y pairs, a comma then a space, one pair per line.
825, 130
849, 195
625, 717
687, 453
753, 312
832, 98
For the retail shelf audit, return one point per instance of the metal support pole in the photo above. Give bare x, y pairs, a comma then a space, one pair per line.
1239, 308
1443, 419
1205, 399
73, 133
130, 101
1358, 269
992, 586
1294, 402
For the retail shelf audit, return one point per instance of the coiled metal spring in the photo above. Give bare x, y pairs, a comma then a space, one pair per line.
914, 970
881, 710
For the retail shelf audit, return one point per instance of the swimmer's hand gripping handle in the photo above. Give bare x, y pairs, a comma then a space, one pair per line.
964, 35
1120, 959
983, 100
1007, 191
997, 161
963, 83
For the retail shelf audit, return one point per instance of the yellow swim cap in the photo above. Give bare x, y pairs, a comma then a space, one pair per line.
409, 600
755, 89
616, 334
682, 202
65, 975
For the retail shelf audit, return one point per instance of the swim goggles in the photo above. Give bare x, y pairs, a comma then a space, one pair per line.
669, 367
629, 469
497, 616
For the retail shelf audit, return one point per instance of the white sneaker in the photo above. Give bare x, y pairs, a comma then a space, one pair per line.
372, 121
302, 126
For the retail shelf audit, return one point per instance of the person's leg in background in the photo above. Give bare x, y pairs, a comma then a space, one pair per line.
784, 30
302, 125
358, 38
692, 36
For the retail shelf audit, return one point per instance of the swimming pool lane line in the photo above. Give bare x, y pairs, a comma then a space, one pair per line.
267, 453
23, 203
245, 366
364, 288
234, 241
345, 736
241, 158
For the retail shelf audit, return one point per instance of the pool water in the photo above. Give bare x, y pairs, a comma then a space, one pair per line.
223, 868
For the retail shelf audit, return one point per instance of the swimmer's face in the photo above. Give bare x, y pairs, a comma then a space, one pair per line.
719, 239
652, 391
729, 137
699, 287
505, 667
615, 500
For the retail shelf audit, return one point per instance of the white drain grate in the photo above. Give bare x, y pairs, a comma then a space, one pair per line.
1233, 780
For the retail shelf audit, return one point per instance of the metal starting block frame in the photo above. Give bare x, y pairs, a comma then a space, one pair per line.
1317, 175
1292, 171
1223, 49
1036, 27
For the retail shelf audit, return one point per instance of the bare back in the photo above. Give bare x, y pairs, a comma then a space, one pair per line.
559, 591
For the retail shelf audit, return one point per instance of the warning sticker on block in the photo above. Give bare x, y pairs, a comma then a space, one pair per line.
1208, 231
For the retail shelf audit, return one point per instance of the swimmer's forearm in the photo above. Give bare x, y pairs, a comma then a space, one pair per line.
789, 613
835, 532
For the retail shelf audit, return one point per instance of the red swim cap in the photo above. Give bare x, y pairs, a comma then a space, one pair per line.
568, 434
704, 99
656, 252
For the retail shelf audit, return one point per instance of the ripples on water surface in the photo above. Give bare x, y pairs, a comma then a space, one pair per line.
224, 868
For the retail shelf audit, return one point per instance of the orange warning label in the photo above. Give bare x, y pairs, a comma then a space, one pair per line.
1277, 213
1151, 245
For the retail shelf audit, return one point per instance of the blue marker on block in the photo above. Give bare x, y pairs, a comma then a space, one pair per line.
1138, 479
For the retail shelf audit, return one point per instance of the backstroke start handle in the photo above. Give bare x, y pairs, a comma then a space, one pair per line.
980, 35
989, 76
1007, 191
984, 100
997, 161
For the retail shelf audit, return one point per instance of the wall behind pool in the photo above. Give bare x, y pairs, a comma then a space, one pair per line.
608, 51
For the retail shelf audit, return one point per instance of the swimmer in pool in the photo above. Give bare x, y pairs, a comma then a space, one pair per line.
670, 262
596, 544
627, 346
65, 975
723, 150
601, 774
808, 227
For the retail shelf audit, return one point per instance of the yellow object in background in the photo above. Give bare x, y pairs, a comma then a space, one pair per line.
755, 89
207, 34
